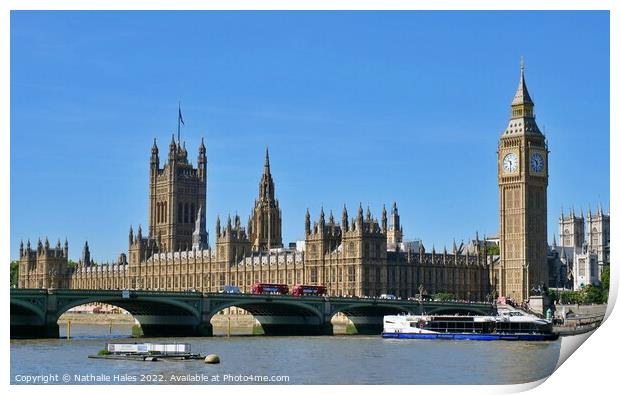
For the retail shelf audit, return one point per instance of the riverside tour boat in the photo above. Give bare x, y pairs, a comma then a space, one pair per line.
512, 325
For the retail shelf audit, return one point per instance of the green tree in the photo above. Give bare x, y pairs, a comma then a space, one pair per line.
605, 278
592, 294
493, 249
443, 296
14, 273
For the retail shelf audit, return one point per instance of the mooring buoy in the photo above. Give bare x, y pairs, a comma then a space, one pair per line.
212, 358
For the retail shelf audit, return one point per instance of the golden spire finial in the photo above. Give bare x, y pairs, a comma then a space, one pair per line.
522, 63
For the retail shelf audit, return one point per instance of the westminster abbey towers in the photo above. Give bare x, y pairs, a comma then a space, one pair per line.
523, 178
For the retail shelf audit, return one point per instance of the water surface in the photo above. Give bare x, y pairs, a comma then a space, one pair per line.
292, 360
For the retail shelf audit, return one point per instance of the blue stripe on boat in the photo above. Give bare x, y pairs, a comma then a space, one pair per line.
471, 336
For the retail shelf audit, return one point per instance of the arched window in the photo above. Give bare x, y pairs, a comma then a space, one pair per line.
595, 237
180, 213
351, 248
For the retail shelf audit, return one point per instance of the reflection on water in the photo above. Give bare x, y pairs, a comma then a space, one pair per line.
305, 360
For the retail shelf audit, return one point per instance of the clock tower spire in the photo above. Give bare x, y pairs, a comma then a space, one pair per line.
522, 179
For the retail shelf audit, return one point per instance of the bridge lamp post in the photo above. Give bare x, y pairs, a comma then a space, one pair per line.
52, 275
421, 291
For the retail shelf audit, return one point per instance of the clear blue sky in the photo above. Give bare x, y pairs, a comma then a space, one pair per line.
355, 107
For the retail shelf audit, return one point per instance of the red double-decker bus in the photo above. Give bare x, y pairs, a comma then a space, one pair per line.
309, 290
264, 288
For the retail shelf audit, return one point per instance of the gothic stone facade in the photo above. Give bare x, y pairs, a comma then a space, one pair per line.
357, 257
523, 180
583, 251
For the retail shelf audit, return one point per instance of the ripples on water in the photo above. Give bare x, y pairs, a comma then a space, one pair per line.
306, 360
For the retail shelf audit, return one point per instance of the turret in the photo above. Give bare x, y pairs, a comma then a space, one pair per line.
21, 248
395, 217
86, 254
384, 220
345, 219
202, 160
307, 222
200, 237
130, 235
65, 250
154, 156
218, 228
238, 225
182, 151
172, 150
360, 217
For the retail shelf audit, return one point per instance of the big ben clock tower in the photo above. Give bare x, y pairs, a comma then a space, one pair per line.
522, 178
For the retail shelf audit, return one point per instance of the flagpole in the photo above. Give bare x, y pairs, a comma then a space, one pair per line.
179, 124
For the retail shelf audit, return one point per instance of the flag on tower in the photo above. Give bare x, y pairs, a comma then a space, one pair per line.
180, 121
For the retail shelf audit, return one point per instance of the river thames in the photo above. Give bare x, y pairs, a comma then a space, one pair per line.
285, 360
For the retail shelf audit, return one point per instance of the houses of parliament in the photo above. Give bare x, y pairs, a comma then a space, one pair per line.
357, 254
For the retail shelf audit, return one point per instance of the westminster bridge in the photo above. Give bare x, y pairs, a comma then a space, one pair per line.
35, 312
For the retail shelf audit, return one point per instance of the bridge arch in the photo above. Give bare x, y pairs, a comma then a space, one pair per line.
22, 308
281, 317
156, 316
366, 319
136, 307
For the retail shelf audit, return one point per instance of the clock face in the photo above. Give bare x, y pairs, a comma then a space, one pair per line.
537, 162
511, 163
